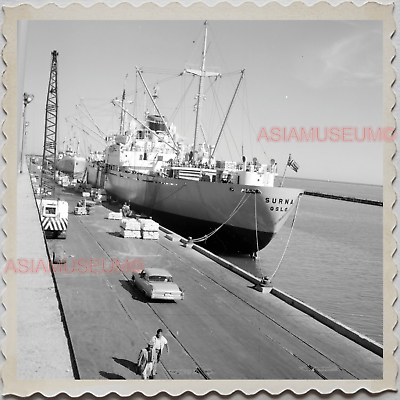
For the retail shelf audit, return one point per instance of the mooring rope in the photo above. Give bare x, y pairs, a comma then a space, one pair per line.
255, 217
287, 244
236, 209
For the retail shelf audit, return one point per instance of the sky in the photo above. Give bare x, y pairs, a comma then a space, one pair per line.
297, 74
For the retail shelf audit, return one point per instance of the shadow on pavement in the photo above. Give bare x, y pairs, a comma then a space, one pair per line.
116, 234
127, 364
136, 295
110, 375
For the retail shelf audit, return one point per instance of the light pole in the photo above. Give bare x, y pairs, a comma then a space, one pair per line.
27, 99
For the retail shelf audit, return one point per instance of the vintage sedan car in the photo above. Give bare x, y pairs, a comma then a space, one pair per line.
157, 283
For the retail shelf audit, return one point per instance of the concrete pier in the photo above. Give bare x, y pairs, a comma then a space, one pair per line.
40, 330
223, 329
344, 198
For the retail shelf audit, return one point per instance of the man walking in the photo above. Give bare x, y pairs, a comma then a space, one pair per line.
147, 360
159, 343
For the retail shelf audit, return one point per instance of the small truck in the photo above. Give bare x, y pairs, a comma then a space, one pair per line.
53, 217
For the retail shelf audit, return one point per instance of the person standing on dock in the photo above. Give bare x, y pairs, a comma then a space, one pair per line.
126, 210
147, 360
159, 343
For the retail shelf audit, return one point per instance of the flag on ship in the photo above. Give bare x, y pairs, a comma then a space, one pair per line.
293, 164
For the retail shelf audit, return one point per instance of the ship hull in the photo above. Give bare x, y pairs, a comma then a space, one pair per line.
246, 217
74, 166
227, 239
95, 175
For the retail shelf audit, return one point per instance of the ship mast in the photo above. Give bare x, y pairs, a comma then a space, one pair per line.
200, 93
201, 74
122, 123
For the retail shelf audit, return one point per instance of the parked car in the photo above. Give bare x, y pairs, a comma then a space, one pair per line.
157, 283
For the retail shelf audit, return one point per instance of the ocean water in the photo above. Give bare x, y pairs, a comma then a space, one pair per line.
334, 260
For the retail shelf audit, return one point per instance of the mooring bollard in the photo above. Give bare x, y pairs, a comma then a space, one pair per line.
265, 285
189, 243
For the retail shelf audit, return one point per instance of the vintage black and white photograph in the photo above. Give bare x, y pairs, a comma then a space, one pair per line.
202, 199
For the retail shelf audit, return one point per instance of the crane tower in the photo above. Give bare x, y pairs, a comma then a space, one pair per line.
47, 182
53, 212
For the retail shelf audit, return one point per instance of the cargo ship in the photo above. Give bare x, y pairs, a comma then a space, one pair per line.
71, 164
232, 206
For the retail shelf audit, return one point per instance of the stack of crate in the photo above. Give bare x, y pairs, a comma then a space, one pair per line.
130, 228
149, 229
80, 210
65, 181
115, 215
98, 195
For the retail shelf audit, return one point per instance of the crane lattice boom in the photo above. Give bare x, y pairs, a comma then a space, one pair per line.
47, 182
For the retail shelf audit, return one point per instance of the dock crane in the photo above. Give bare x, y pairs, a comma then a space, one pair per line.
53, 212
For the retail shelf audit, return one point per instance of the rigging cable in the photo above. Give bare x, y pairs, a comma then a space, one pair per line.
72, 123
255, 217
226, 75
213, 114
156, 82
194, 50
101, 133
239, 205
181, 101
220, 110
247, 103
287, 244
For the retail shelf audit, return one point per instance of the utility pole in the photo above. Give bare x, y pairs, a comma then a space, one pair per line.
27, 99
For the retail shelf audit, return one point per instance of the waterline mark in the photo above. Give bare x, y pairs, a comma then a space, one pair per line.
327, 134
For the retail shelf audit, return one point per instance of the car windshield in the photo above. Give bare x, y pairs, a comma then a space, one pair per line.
159, 278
